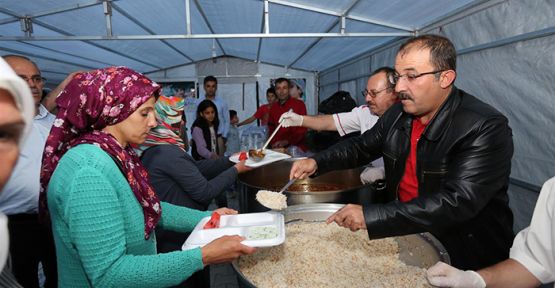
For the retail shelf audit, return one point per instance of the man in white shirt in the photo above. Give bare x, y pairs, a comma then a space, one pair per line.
531, 260
31, 240
379, 95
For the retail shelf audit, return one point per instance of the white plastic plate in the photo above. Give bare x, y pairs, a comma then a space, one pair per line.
261, 230
270, 157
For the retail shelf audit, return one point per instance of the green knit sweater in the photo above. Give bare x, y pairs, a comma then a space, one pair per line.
98, 228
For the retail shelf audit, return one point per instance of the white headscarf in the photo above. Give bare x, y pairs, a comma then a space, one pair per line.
21, 94
24, 101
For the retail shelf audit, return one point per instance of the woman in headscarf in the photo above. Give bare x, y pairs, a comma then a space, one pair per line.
181, 181
102, 206
16, 117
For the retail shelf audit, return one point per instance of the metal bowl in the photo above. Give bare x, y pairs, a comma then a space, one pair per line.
421, 250
345, 187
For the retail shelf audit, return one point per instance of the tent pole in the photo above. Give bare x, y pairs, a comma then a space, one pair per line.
107, 6
188, 16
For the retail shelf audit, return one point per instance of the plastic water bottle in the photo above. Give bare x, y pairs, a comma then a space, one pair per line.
294, 151
245, 141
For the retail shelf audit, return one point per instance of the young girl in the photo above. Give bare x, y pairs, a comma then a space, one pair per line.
204, 131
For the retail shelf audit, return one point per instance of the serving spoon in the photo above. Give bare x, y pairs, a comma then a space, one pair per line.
274, 200
258, 155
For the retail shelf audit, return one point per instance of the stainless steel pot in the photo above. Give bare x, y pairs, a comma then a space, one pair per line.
348, 187
421, 250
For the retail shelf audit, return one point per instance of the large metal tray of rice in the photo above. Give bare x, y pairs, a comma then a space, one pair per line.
316, 254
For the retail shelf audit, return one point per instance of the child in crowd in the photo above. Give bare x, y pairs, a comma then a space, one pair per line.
232, 145
263, 111
204, 145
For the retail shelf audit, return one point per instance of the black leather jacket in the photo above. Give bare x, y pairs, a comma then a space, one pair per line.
463, 166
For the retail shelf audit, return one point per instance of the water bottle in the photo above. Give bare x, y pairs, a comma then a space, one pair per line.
256, 140
245, 141
264, 130
294, 151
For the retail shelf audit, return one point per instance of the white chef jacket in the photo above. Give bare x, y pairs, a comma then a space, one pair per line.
534, 246
359, 119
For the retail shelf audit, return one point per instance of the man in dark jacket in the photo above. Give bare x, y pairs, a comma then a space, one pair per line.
447, 158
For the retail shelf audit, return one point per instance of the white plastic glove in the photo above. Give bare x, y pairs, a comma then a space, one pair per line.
444, 275
371, 174
291, 119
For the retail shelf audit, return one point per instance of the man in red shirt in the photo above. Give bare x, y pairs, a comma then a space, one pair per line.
447, 158
290, 136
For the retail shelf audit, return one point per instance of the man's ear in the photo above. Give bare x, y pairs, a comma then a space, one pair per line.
447, 78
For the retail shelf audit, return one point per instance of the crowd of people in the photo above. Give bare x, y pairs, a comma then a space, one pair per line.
104, 193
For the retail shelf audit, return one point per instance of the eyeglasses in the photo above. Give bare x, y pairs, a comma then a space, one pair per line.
395, 77
37, 79
372, 93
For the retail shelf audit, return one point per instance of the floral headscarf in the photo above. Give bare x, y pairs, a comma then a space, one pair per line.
169, 110
90, 102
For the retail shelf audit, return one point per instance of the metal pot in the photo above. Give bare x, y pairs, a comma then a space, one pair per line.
343, 186
421, 250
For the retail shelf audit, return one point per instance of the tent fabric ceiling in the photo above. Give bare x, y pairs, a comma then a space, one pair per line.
85, 18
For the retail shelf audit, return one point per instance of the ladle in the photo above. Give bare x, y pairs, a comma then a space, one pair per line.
258, 155
287, 185
274, 200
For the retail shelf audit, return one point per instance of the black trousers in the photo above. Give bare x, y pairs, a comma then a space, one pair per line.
32, 242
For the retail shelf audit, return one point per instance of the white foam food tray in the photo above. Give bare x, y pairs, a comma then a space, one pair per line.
260, 230
270, 157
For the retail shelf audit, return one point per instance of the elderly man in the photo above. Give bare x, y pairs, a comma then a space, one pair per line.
32, 241
16, 115
447, 159
292, 136
379, 95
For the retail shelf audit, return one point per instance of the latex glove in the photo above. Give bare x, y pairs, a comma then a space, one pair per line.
444, 275
291, 119
371, 174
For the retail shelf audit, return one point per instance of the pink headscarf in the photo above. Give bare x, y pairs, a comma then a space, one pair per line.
90, 102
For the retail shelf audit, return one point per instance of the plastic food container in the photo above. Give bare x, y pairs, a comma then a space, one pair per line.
260, 230
270, 157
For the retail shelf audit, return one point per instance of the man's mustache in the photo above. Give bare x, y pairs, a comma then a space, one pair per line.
404, 96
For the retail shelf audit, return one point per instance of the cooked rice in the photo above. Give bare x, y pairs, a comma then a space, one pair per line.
272, 200
321, 255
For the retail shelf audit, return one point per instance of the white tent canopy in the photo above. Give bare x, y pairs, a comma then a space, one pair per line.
505, 47
305, 34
